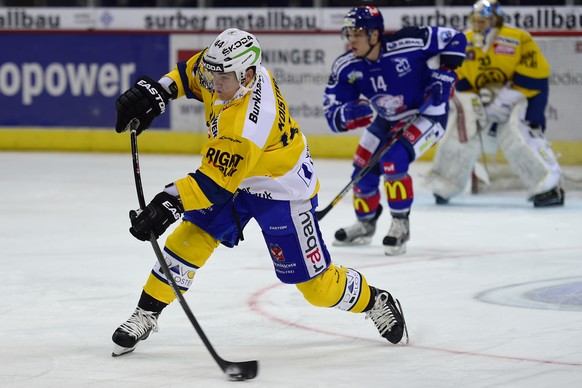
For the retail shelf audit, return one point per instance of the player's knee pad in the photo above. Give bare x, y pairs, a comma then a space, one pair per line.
459, 148
187, 248
366, 196
339, 287
366, 204
529, 154
399, 192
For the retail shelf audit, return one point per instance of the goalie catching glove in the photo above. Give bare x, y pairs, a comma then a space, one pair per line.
145, 101
163, 211
353, 115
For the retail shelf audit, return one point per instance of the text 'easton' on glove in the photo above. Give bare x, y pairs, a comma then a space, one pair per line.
355, 114
441, 85
145, 100
163, 211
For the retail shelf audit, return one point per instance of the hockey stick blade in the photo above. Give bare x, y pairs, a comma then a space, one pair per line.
244, 370
239, 371
319, 214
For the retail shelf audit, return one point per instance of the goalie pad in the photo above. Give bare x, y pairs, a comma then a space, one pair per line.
459, 149
528, 153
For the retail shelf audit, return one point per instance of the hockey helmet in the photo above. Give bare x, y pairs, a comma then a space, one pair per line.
233, 50
364, 17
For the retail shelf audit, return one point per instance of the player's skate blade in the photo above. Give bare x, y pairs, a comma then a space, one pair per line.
120, 351
395, 250
358, 241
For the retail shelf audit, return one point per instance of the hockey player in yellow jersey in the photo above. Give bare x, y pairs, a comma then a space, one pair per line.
502, 93
255, 164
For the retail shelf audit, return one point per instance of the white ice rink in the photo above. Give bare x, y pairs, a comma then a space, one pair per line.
491, 289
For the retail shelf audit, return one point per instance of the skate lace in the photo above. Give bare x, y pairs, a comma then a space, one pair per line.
140, 322
381, 314
398, 228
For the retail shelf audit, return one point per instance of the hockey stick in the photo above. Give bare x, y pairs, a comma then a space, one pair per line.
372, 162
244, 370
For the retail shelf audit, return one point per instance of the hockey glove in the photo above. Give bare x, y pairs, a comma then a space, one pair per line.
353, 115
502, 106
145, 100
441, 86
163, 211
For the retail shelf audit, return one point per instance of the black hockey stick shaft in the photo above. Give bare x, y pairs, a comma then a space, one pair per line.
372, 162
236, 370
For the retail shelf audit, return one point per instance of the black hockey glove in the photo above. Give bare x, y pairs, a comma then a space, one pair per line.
145, 100
163, 211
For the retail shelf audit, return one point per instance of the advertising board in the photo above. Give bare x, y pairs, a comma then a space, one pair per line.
73, 79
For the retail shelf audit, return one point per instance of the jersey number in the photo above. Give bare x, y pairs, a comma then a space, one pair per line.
484, 62
378, 84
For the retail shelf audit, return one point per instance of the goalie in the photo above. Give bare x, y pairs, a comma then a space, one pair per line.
501, 97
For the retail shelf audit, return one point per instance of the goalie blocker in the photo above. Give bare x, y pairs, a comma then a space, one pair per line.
469, 135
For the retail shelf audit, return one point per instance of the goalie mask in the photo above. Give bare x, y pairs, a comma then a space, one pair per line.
234, 50
486, 19
486, 14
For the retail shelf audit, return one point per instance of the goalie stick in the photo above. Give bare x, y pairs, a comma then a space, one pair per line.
372, 162
244, 370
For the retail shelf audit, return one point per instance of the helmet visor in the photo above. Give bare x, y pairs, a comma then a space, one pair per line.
354, 32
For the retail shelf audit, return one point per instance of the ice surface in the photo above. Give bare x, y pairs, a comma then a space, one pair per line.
491, 289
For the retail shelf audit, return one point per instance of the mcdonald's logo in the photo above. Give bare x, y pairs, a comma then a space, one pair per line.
395, 190
361, 205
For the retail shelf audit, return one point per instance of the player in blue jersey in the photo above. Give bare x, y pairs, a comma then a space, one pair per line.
379, 84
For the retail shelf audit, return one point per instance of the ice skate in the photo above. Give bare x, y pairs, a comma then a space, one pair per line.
399, 233
553, 197
388, 317
360, 233
137, 328
440, 200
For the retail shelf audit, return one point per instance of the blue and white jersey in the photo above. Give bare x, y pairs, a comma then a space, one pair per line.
394, 84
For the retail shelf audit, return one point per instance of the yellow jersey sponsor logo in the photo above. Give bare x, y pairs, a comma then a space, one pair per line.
226, 162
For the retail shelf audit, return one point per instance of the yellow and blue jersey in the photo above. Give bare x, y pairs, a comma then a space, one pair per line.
253, 144
512, 57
